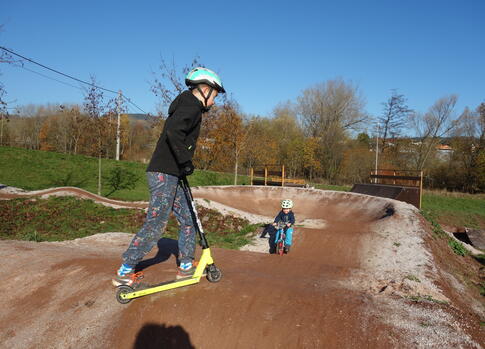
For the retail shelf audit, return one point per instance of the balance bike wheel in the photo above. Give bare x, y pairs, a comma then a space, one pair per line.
280, 248
123, 290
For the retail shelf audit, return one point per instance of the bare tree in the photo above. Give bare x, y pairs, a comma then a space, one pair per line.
431, 127
469, 149
170, 82
327, 112
94, 107
394, 117
5, 57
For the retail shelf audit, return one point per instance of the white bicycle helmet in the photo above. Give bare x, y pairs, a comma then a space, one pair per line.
201, 75
287, 203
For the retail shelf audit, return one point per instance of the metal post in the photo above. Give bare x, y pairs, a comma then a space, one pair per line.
377, 151
1, 130
420, 189
282, 175
118, 107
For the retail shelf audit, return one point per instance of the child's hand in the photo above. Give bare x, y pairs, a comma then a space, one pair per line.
274, 224
288, 225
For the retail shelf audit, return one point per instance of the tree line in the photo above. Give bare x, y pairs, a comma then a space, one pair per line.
325, 135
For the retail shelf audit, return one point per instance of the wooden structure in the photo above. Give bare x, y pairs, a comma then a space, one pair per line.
402, 185
273, 175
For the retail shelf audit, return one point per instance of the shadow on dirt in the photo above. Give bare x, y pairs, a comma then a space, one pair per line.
153, 336
166, 248
270, 230
389, 211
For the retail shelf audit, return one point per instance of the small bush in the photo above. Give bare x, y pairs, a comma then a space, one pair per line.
32, 236
457, 247
120, 178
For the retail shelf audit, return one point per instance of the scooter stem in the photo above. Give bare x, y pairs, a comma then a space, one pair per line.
184, 183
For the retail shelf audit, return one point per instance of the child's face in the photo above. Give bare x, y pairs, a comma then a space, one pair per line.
286, 210
214, 93
213, 96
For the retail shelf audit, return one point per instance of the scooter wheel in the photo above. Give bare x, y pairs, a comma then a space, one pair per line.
214, 274
123, 290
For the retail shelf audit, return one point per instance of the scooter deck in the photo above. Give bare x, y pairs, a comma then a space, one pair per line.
163, 286
205, 260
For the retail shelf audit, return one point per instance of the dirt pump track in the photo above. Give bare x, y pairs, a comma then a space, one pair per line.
345, 284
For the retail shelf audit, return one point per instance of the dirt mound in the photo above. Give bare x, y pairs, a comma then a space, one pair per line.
363, 273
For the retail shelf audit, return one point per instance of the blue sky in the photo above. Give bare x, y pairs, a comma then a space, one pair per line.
265, 51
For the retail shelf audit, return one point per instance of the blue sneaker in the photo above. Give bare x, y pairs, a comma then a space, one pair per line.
126, 276
187, 270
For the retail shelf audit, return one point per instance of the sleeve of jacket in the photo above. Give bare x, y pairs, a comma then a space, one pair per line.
178, 125
278, 217
292, 218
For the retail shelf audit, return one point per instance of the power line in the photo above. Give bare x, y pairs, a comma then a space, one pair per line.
47, 77
69, 76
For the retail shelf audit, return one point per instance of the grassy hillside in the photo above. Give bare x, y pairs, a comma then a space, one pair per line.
458, 210
33, 170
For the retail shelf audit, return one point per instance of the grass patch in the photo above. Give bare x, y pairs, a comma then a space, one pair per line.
412, 278
67, 218
35, 170
456, 210
456, 246
331, 187
62, 218
426, 299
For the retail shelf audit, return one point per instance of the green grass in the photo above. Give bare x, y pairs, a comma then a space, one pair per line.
412, 278
466, 210
34, 170
331, 187
31, 220
426, 298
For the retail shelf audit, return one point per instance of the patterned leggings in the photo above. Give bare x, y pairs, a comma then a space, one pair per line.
165, 195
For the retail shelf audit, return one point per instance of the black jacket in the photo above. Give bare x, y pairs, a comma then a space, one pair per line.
287, 218
177, 142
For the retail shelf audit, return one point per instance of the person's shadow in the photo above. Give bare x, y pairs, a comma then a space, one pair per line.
154, 336
270, 230
166, 248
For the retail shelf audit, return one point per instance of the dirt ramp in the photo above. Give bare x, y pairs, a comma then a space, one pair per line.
308, 203
335, 289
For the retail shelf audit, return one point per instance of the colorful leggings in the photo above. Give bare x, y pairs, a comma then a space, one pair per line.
165, 195
288, 238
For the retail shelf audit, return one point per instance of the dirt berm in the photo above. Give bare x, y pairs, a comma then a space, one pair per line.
364, 272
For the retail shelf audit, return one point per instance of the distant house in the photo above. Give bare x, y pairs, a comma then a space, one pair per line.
444, 151
444, 148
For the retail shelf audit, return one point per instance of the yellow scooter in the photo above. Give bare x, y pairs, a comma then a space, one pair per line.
206, 265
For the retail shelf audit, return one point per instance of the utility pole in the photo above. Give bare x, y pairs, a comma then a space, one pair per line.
118, 126
377, 151
1, 129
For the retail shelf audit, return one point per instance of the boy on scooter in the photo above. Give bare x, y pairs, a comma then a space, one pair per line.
285, 215
171, 160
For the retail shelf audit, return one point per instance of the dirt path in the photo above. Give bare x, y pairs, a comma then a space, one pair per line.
344, 285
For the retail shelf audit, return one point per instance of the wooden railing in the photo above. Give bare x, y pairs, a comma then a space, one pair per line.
273, 175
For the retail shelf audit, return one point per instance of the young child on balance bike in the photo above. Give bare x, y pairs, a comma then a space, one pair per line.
287, 217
